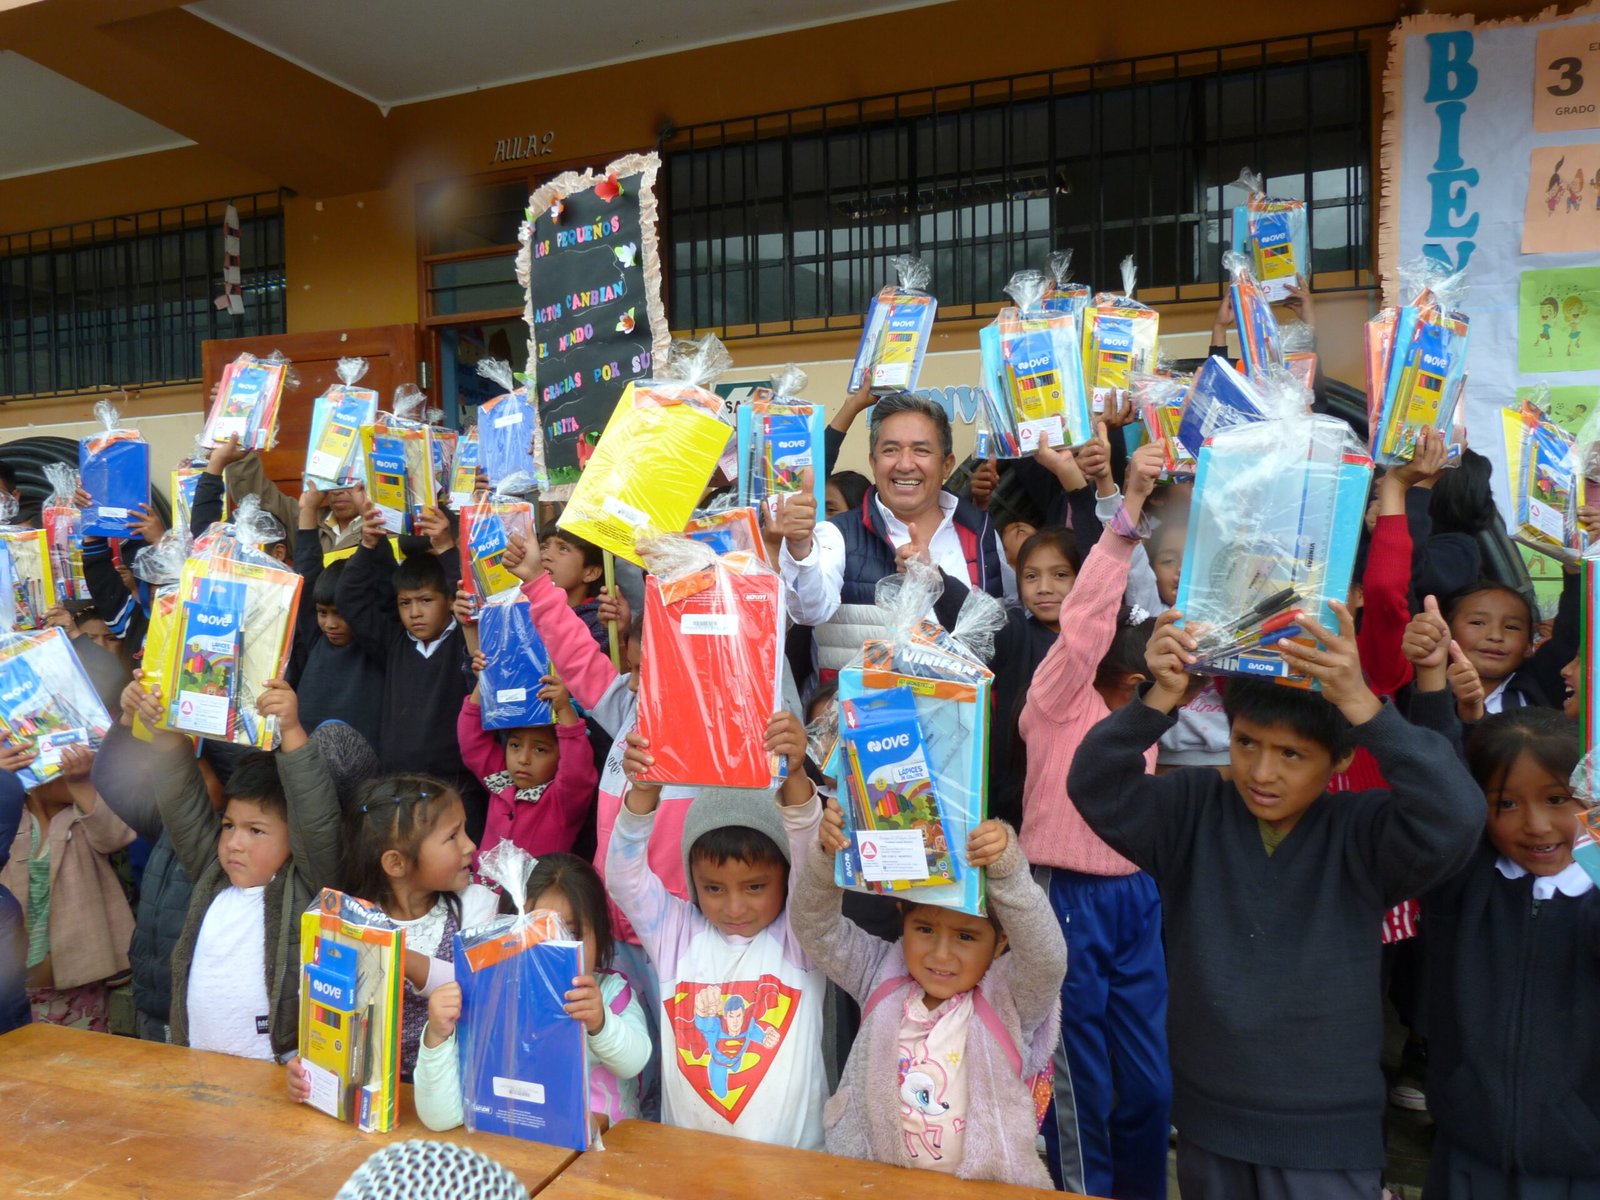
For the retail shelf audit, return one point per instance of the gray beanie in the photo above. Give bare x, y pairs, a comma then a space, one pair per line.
725, 808
349, 758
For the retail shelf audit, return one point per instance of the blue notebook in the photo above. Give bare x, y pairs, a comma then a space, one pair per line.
117, 478
517, 663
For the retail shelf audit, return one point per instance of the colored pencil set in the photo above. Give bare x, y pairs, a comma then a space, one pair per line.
247, 400
898, 326
1032, 391
1416, 364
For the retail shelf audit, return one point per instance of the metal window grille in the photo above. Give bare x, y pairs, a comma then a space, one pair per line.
785, 222
128, 299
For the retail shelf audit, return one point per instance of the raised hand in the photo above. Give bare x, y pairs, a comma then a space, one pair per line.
1335, 664
984, 480
1168, 655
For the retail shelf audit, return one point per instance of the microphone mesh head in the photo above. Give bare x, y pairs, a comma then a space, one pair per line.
418, 1170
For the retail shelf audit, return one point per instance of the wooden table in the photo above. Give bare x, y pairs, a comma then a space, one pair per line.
88, 1115
643, 1161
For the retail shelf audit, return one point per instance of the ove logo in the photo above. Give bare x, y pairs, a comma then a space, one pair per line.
900, 741
216, 620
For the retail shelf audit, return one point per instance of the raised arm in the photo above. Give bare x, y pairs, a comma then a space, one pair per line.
847, 954
247, 476
1038, 951
366, 597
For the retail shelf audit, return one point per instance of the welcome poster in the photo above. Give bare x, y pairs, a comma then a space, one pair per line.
590, 265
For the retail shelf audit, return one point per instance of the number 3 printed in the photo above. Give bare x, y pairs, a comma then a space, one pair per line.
1571, 82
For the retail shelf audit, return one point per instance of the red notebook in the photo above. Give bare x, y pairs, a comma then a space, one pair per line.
711, 675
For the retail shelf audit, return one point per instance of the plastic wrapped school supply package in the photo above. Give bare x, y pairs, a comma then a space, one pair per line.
1063, 294
464, 471
510, 444
1272, 234
1159, 401
63, 531
352, 968
911, 752
515, 666
114, 470
46, 700
524, 1061
1420, 356
398, 457
656, 455
1218, 398
898, 326
233, 619
1274, 523
30, 577
487, 527
1260, 344
1546, 482
333, 451
1120, 336
161, 566
728, 531
780, 438
712, 673
246, 404
1032, 387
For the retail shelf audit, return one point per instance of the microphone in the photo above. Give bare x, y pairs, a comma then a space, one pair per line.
419, 1170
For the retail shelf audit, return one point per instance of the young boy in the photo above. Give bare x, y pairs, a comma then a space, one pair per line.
1494, 627
577, 567
400, 615
256, 866
335, 677
1273, 893
741, 1018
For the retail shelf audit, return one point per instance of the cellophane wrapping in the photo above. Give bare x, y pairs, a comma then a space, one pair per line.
898, 326
1032, 389
47, 702
333, 451
246, 404
114, 470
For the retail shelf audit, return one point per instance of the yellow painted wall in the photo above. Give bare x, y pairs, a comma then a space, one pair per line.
351, 260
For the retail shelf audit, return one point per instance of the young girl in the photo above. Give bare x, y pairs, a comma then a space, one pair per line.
619, 1042
1513, 949
958, 1017
540, 779
407, 851
1109, 1136
77, 918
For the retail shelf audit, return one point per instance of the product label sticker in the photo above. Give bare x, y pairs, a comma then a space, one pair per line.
892, 855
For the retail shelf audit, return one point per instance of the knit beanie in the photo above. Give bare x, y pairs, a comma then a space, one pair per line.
349, 757
727, 808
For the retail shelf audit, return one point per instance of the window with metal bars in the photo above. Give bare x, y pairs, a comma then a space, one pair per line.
786, 222
128, 299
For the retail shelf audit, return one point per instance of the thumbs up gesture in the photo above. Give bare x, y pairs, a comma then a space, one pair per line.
1426, 641
794, 515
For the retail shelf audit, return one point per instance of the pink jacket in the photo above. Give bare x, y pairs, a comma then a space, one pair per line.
604, 695
543, 826
1062, 707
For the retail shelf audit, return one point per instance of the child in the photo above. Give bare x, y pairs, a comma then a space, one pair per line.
741, 1023
619, 1042
541, 779
1513, 952
957, 1017
1494, 627
255, 866
401, 617
577, 567
77, 918
1112, 1084
336, 679
1272, 894
407, 851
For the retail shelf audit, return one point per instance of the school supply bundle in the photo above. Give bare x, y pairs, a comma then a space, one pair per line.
1272, 234
333, 452
351, 975
464, 471
524, 1061
515, 667
1546, 481
1063, 295
1218, 398
656, 455
63, 531
1417, 360
246, 404
1120, 336
46, 700
728, 531
1259, 341
1159, 401
487, 527
510, 442
911, 751
780, 438
161, 566
712, 677
1274, 524
232, 623
1032, 389
114, 470
32, 578
898, 326
400, 479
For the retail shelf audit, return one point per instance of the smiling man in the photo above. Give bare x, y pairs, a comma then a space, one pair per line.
833, 569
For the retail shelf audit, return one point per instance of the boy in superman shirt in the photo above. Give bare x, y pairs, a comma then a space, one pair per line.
741, 1023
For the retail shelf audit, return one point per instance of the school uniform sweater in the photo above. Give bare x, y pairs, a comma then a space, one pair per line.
1513, 1047
542, 823
595, 684
1021, 989
1274, 1017
334, 683
422, 692
1062, 707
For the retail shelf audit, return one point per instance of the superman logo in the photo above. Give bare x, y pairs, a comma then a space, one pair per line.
727, 1035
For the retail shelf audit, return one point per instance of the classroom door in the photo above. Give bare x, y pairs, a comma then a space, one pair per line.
391, 352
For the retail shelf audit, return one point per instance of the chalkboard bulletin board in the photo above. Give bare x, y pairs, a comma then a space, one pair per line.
590, 266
